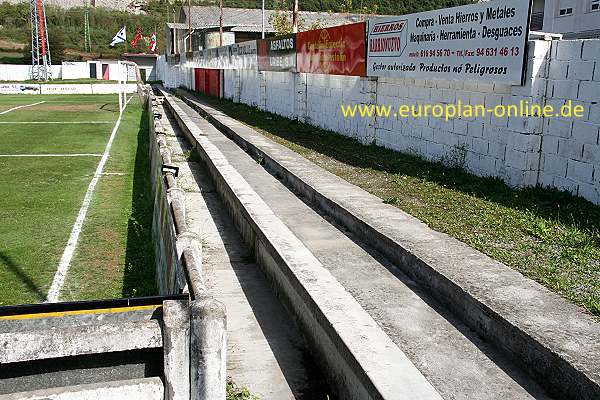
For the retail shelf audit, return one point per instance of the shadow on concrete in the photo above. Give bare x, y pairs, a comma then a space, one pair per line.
22, 276
508, 365
78, 370
277, 325
139, 275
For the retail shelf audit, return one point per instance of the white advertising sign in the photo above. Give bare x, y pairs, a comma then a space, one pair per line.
66, 89
211, 58
223, 54
19, 88
244, 55
484, 41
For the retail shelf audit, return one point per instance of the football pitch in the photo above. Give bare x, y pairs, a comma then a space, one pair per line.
74, 198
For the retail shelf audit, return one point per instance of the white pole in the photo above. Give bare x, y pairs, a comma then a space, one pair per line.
263, 19
119, 74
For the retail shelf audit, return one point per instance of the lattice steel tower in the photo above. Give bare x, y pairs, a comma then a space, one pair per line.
87, 41
41, 62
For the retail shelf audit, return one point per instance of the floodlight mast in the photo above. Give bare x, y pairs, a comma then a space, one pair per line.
41, 62
87, 41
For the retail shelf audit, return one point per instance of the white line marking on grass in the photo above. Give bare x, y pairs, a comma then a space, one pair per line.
57, 122
65, 261
23, 106
52, 155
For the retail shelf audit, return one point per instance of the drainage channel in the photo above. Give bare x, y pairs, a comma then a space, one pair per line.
452, 357
266, 352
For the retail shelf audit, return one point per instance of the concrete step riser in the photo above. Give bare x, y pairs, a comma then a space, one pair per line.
557, 374
341, 363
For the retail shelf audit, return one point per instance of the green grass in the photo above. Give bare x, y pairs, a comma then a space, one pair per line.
115, 256
39, 201
234, 392
549, 236
11, 57
41, 196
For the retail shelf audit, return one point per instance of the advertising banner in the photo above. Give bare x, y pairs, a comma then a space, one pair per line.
14, 88
211, 58
66, 89
484, 41
223, 57
339, 50
197, 59
244, 55
277, 54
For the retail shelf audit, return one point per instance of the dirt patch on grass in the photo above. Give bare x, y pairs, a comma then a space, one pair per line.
67, 107
11, 45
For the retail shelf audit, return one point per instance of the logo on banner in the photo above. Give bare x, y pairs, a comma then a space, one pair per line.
388, 39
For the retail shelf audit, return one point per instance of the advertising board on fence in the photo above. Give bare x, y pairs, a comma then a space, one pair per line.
339, 50
224, 57
211, 58
80, 88
484, 41
14, 88
277, 54
244, 55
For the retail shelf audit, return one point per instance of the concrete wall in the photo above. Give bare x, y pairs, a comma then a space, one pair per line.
12, 72
555, 152
75, 70
570, 150
250, 85
174, 75
325, 93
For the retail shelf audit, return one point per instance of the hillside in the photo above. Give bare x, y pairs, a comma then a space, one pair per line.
65, 20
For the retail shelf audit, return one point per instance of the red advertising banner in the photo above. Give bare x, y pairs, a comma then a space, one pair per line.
338, 51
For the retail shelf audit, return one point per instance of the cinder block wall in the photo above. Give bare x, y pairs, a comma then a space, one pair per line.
249, 86
555, 152
280, 93
570, 150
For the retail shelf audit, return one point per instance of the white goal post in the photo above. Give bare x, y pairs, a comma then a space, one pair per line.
124, 68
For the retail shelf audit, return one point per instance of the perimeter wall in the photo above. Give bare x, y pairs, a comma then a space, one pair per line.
556, 152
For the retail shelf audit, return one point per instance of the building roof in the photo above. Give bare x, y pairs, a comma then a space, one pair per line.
250, 20
140, 55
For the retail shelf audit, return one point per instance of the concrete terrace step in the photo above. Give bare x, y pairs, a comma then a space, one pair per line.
445, 351
554, 340
265, 351
360, 359
132, 389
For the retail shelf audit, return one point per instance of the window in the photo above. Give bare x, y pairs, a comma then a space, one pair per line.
565, 11
565, 7
594, 5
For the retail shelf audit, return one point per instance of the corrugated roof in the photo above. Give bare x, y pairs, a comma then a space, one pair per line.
252, 28
250, 20
177, 25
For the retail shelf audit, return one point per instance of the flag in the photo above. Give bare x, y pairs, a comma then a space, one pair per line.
152, 44
138, 36
120, 37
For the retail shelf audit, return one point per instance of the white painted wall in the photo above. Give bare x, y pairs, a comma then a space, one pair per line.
12, 72
555, 152
570, 149
75, 70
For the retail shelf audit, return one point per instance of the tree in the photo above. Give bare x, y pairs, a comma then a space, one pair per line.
57, 48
